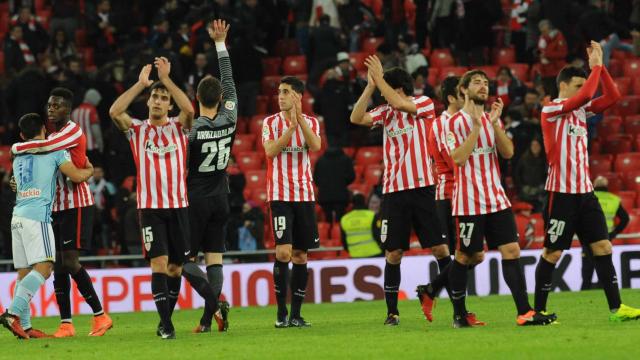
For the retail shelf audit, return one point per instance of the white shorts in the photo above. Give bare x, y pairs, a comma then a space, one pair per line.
32, 242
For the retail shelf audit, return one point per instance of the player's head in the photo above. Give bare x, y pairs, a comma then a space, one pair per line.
531, 98
601, 183
289, 85
159, 102
358, 201
59, 105
475, 84
16, 32
570, 80
209, 92
450, 93
31, 126
399, 80
545, 26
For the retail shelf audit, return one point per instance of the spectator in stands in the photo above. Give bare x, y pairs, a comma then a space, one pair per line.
7, 199
420, 84
335, 101
301, 15
529, 108
102, 32
333, 173
251, 233
357, 19
508, 87
61, 47
617, 219
165, 49
521, 133
357, 230
64, 15
319, 9
530, 175
103, 194
86, 115
552, 52
26, 93
246, 56
325, 41
411, 59
596, 24
200, 70
476, 34
17, 53
32, 31
181, 45
395, 21
518, 28
443, 23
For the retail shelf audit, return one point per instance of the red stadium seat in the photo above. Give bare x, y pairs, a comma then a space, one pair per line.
255, 125
627, 199
599, 164
632, 180
615, 183
610, 125
635, 86
360, 189
504, 56
307, 104
373, 174
452, 71
259, 196
596, 147
249, 161
632, 125
287, 47
617, 144
256, 179
441, 58
434, 75
628, 105
294, 65
369, 155
270, 85
370, 45
633, 227
358, 170
631, 68
626, 162
521, 71
490, 70
87, 55
271, 66
244, 142
349, 151
357, 60
273, 105
336, 233
624, 85
262, 104
615, 67
323, 230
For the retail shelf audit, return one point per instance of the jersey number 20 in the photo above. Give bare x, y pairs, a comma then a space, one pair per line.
211, 148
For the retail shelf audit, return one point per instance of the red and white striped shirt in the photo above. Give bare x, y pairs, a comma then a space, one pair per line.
443, 164
68, 195
289, 176
86, 115
478, 189
160, 154
407, 164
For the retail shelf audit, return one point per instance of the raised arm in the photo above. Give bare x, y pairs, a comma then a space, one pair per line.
359, 114
218, 33
394, 99
117, 112
610, 94
311, 138
182, 100
74, 174
503, 143
460, 154
65, 139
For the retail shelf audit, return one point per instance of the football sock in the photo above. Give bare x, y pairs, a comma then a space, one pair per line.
608, 279
442, 280
173, 285
159, 289
391, 287
280, 283
458, 285
25, 317
587, 272
544, 279
216, 278
198, 280
62, 286
299, 276
514, 277
24, 292
85, 286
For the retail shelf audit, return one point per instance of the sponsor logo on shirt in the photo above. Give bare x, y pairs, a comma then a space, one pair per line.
484, 150
291, 149
577, 131
149, 146
29, 193
394, 133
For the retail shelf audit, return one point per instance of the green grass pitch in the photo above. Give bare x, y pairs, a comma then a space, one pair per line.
355, 331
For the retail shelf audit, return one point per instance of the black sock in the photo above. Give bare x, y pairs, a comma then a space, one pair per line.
608, 279
62, 286
281, 285
587, 271
160, 290
391, 287
216, 278
458, 286
85, 286
299, 276
514, 277
442, 280
173, 285
198, 280
544, 279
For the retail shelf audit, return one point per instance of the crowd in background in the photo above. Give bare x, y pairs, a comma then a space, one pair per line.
44, 52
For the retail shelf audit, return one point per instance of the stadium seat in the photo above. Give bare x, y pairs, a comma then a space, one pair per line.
616, 144
623, 84
615, 183
373, 174
451, 71
521, 71
294, 65
336, 233
490, 70
271, 66
631, 180
441, 58
595, 148
635, 86
626, 162
369, 155
434, 75
255, 124
270, 85
359, 171
256, 179
610, 125
628, 105
359, 189
249, 160
632, 125
323, 231
87, 55
627, 199
599, 164
307, 104
349, 151
633, 227
287, 47
259, 196
273, 105
504, 56
631, 68
357, 60
370, 45
615, 67
244, 142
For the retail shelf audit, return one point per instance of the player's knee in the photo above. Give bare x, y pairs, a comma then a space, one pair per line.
174, 270
476, 258
160, 265
283, 254
394, 257
440, 251
510, 251
463, 258
70, 265
601, 248
552, 256
299, 257
45, 269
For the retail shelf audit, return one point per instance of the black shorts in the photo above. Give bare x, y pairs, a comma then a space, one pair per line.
295, 223
165, 232
447, 225
403, 210
569, 214
498, 228
208, 217
73, 228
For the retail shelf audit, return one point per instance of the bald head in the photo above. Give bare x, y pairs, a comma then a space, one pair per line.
601, 182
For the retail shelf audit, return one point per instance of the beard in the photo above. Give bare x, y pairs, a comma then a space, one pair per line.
478, 100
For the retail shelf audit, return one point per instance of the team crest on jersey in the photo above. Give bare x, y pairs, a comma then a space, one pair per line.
229, 105
553, 238
451, 140
466, 241
265, 130
279, 234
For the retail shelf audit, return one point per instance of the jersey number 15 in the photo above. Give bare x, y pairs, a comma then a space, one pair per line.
211, 148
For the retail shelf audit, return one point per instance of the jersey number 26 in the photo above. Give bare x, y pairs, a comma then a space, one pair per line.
211, 148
